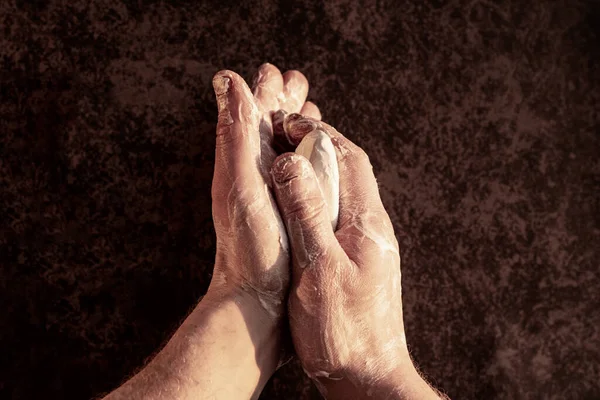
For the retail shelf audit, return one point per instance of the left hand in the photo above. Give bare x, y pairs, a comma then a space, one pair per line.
230, 345
252, 246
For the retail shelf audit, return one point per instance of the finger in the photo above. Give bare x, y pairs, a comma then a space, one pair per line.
268, 86
282, 141
304, 212
237, 142
296, 126
295, 90
310, 109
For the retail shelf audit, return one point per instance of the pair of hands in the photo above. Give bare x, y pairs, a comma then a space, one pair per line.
342, 296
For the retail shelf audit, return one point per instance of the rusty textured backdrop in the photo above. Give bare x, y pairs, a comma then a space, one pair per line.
481, 119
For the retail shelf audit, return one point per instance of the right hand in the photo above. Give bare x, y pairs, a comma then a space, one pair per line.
345, 306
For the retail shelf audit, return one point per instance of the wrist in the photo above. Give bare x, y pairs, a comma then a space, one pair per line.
266, 299
244, 316
259, 319
407, 383
401, 383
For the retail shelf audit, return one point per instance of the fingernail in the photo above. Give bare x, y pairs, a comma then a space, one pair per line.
221, 84
296, 126
288, 167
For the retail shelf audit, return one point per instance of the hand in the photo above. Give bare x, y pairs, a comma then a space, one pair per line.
230, 344
345, 306
252, 245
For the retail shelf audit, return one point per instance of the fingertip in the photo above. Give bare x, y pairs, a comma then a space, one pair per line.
311, 110
268, 75
267, 85
288, 166
226, 74
265, 73
295, 77
268, 68
297, 126
295, 87
221, 82
226, 81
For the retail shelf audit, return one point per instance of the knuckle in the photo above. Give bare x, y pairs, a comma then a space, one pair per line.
348, 152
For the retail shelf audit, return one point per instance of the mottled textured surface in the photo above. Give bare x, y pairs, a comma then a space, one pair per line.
481, 119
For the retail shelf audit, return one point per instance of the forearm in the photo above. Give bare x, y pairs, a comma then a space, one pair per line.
219, 352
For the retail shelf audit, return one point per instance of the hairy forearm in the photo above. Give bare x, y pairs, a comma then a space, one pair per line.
404, 383
219, 352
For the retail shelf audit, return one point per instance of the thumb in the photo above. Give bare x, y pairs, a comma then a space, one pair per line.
304, 211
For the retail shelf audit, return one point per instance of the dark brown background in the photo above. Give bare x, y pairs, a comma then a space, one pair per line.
481, 119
